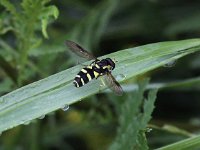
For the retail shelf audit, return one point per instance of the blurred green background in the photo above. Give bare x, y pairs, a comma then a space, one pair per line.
29, 53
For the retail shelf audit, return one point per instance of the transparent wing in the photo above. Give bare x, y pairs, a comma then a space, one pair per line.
113, 84
78, 50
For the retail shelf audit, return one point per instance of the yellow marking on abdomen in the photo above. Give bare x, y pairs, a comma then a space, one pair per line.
82, 81
89, 77
96, 74
89, 67
78, 76
96, 65
84, 71
76, 84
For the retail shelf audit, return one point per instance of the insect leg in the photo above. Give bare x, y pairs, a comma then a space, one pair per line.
102, 84
102, 81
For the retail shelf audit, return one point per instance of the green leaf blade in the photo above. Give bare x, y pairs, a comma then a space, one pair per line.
190, 143
50, 94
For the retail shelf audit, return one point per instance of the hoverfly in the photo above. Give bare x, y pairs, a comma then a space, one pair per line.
96, 69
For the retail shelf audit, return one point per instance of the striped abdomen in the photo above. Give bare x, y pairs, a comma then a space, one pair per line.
85, 75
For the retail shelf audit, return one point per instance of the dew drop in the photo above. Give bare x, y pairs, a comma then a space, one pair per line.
120, 77
65, 107
21, 122
27, 122
148, 130
170, 64
10, 127
41, 117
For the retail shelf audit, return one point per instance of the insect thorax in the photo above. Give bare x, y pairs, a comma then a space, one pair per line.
106, 65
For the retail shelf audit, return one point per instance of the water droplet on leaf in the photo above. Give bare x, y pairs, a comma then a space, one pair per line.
65, 107
120, 77
27, 122
41, 117
170, 64
148, 130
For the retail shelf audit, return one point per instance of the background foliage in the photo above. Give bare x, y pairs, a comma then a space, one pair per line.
32, 47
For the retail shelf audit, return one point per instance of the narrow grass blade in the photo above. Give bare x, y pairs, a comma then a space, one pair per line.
192, 143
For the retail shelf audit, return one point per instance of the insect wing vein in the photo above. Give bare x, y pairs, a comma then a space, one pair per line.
113, 84
78, 50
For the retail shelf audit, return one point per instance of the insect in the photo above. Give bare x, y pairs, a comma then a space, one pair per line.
96, 69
